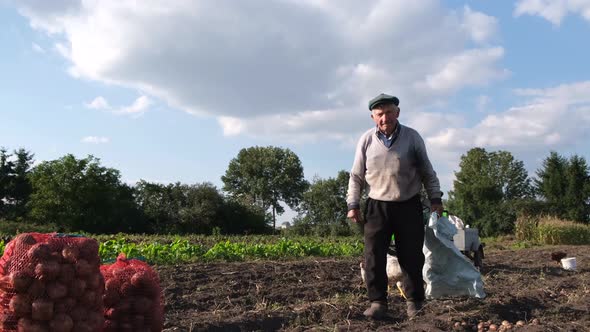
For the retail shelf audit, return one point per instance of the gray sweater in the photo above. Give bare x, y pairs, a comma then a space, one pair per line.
392, 174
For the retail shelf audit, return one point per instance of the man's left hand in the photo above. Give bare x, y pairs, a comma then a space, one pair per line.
438, 208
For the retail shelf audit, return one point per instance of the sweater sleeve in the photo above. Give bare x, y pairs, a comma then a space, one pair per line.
357, 175
429, 178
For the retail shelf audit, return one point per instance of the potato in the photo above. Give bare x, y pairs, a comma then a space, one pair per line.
20, 305
21, 280
112, 314
70, 254
93, 281
65, 305
140, 279
122, 273
66, 273
39, 252
6, 284
83, 327
110, 298
61, 323
95, 318
142, 304
88, 249
127, 289
83, 268
42, 310
137, 321
112, 285
126, 327
124, 306
48, 270
24, 239
4, 298
77, 288
56, 290
56, 257
110, 326
79, 313
89, 299
37, 289
106, 272
8, 322
28, 325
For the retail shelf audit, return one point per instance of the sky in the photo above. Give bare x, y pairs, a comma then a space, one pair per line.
172, 90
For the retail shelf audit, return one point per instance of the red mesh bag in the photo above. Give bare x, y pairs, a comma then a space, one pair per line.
133, 298
51, 282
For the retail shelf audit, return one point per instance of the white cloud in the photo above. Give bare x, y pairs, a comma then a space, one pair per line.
481, 27
288, 60
553, 11
139, 106
549, 119
37, 48
556, 116
303, 127
473, 67
95, 140
231, 126
98, 103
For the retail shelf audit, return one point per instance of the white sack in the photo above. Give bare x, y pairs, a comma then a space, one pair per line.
447, 272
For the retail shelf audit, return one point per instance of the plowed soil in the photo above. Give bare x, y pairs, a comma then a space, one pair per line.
328, 295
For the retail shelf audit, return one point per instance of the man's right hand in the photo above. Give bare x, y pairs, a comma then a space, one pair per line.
354, 215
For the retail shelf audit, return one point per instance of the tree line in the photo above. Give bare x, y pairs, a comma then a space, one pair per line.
490, 190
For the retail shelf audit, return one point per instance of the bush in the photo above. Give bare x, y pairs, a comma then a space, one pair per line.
10, 228
551, 230
555, 231
322, 230
526, 227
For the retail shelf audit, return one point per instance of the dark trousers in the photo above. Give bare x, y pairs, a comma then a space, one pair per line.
404, 220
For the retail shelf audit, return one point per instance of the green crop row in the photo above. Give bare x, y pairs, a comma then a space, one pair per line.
181, 250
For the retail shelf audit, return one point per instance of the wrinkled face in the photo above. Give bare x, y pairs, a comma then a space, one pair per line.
385, 117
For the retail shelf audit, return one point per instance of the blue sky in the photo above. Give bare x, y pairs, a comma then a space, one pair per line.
170, 91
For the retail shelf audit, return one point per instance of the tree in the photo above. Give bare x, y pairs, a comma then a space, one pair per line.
15, 187
324, 203
266, 176
564, 185
81, 195
486, 188
21, 185
577, 191
551, 183
199, 208
238, 218
6, 169
158, 206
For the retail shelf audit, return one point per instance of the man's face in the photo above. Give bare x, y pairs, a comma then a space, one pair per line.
385, 117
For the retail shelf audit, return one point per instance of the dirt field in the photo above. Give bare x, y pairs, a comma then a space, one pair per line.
327, 294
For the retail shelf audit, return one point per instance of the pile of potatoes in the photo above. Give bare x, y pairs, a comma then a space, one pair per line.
132, 298
51, 282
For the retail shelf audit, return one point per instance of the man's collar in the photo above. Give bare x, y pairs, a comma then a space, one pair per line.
395, 130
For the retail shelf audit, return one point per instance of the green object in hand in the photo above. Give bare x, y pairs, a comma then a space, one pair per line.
445, 213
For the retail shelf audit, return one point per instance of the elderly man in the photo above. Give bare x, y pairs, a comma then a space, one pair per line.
392, 160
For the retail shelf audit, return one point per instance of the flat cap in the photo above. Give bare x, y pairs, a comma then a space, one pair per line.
381, 99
